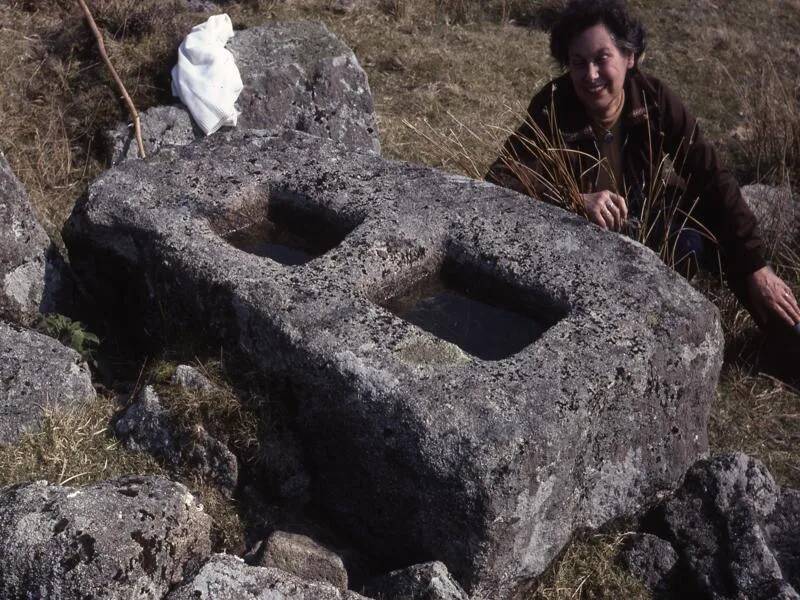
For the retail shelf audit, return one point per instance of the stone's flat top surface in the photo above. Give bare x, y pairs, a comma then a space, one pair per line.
36, 373
226, 577
132, 537
602, 412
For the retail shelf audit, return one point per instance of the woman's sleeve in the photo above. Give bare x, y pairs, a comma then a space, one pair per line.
720, 207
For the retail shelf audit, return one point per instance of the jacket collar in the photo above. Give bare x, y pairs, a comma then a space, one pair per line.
574, 123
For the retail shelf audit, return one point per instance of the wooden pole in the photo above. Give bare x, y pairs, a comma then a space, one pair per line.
101, 45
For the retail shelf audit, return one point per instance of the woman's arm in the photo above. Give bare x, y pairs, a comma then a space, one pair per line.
724, 212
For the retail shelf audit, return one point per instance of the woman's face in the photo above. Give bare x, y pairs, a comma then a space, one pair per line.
597, 69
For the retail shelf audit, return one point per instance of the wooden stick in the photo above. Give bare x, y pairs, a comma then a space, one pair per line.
101, 45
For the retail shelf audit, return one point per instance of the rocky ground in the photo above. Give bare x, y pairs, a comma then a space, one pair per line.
336, 451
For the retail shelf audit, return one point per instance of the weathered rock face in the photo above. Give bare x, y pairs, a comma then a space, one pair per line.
133, 537
32, 276
302, 556
36, 373
486, 457
296, 75
226, 577
735, 530
428, 581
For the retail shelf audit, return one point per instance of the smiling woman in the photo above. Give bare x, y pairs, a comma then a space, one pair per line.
616, 129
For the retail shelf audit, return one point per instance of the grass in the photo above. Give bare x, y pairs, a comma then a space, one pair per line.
433, 64
587, 569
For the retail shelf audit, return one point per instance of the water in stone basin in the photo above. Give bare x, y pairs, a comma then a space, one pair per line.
463, 315
267, 239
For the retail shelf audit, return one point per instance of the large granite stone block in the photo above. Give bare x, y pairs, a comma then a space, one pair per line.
476, 375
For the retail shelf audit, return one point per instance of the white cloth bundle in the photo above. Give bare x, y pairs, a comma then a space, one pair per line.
206, 78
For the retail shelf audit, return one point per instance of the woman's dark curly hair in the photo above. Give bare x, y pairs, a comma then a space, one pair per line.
578, 15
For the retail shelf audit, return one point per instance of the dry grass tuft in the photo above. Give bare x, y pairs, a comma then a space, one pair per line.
74, 446
586, 570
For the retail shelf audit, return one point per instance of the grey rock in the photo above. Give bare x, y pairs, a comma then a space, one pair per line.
226, 577
777, 212
729, 523
191, 379
782, 533
37, 373
343, 6
300, 555
428, 581
487, 460
651, 559
145, 426
33, 277
211, 457
132, 537
161, 126
296, 75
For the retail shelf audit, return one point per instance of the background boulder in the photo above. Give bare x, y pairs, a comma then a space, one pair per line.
296, 75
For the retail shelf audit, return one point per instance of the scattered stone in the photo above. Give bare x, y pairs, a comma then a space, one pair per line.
343, 7
650, 559
33, 277
226, 577
428, 581
161, 126
211, 457
133, 537
191, 379
734, 529
296, 75
302, 556
37, 373
487, 462
777, 212
145, 426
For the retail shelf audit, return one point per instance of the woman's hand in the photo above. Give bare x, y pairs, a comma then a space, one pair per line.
769, 295
606, 209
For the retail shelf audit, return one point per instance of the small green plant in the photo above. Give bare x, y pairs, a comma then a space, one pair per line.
70, 333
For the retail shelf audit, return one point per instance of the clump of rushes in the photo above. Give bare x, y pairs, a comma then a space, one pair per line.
553, 178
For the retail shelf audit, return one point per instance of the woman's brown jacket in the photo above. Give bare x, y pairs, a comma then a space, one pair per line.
654, 123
